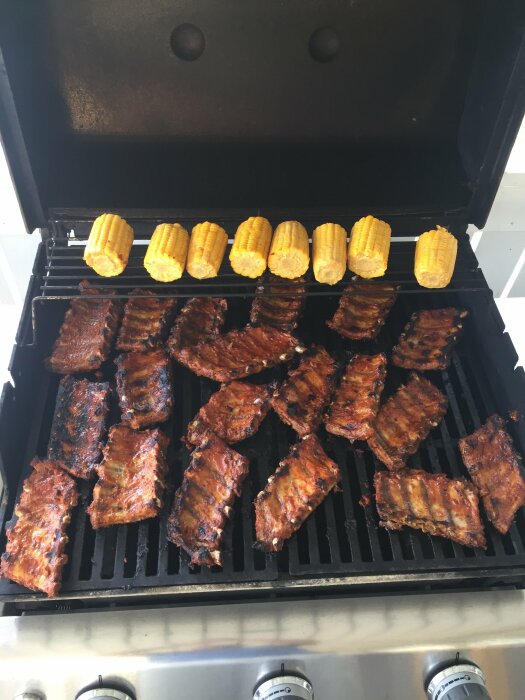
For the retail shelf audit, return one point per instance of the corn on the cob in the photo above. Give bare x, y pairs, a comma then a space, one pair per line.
249, 253
329, 253
369, 247
207, 247
166, 254
289, 252
435, 258
108, 246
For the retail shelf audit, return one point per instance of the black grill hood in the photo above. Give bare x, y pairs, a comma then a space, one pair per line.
396, 107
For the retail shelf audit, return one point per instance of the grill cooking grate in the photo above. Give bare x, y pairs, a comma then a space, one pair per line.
65, 267
341, 544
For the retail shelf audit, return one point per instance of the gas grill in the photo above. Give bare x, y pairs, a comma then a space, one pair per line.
319, 112
341, 545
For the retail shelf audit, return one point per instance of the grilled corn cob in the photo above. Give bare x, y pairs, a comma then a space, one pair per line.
435, 258
207, 247
249, 253
108, 246
329, 253
289, 252
369, 247
166, 254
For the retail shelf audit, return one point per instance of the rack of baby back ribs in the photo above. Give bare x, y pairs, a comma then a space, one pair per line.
199, 439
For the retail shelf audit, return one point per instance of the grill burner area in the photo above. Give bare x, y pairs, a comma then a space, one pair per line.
341, 544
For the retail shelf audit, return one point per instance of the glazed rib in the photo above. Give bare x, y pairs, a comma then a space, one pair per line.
495, 468
240, 353
200, 319
428, 339
356, 403
132, 477
144, 387
36, 540
361, 315
234, 413
87, 332
202, 504
271, 308
431, 503
145, 321
79, 425
300, 484
405, 420
303, 396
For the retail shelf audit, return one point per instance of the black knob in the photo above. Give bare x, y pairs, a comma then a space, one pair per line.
458, 682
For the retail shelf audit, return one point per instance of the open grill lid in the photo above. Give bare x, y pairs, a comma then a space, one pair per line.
394, 107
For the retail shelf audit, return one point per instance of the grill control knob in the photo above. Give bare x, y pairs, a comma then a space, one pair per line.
287, 687
103, 694
457, 682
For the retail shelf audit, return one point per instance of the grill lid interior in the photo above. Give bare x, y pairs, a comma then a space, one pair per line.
355, 106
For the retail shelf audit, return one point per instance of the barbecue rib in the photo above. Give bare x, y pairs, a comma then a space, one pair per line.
272, 308
78, 425
202, 504
405, 420
145, 321
200, 319
234, 413
356, 403
301, 483
303, 396
428, 339
240, 353
431, 503
87, 332
144, 387
360, 315
495, 468
36, 541
132, 477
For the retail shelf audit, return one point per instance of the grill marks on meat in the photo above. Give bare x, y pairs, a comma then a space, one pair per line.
405, 420
132, 477
428, 339
145, 321
36, 541
203, 503
87, 332
144, 387
200, 320
300, 484
240, 353
432, 503
356, 403
234, 413
79, 425
363, 309
495, 468
303, 396
272, 307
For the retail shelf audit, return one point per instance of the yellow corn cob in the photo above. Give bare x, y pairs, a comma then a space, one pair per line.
435, 258
289, 252
166, 254
329, 253
207, 247
108, 246
249, 253
369, 247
